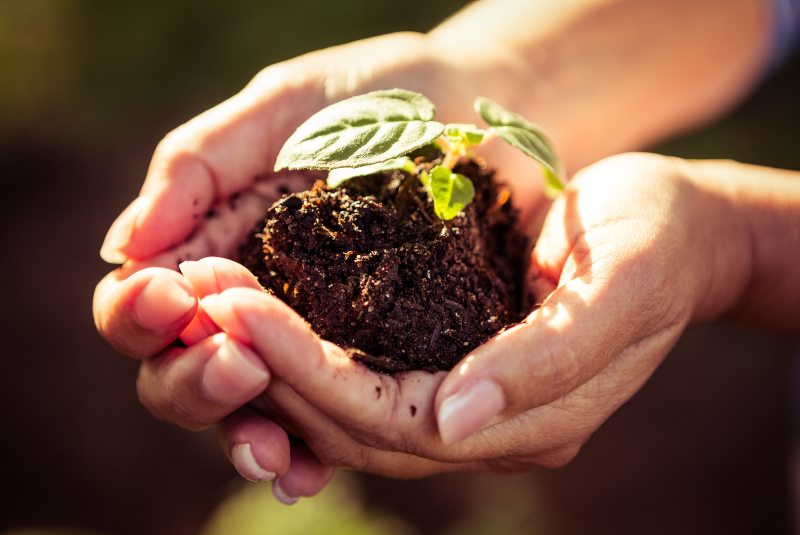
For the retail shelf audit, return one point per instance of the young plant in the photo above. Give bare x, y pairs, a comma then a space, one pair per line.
375, 132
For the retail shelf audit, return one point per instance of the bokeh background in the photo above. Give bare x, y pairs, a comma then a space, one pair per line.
88, 87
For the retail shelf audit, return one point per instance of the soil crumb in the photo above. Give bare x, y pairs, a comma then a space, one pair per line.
371, 267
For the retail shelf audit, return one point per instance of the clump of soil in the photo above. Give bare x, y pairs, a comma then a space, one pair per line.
373, 269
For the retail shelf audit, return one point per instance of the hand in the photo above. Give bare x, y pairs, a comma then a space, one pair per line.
208, 184
628, 256
210, 178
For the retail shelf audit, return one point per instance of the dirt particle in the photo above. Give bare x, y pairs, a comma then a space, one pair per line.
292, 202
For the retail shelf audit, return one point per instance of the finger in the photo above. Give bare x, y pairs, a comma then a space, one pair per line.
338, 445
334, 444
213, 156
376, 406
554, 243
379, 411
306, 476
212, 275
404, 446
215, 232
220, 230
141, 313
549, 436
196, 387
257, 447
561, 345
550, 254
583, 220
209, 276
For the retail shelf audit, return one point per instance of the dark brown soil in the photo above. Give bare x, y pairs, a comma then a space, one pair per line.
373, 269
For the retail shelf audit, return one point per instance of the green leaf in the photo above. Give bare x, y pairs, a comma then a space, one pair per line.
342, 174
552, 184
451, 191
465, 134
362, 130
525, 136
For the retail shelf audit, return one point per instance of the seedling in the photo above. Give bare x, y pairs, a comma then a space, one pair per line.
376, 132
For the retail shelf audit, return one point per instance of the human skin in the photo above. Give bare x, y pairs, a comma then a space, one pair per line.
602, 77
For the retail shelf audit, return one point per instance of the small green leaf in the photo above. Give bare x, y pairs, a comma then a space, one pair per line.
342, 174
525, 136
465, 134
362, 130
552, 184
451, 191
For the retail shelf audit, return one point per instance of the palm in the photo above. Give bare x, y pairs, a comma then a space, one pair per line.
222, 226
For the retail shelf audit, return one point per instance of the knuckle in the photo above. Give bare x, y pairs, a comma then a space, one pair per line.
375, 434
368, 434
176, 156
270, 78
559, 365
165, 406
316, 351
172, 144
180, 416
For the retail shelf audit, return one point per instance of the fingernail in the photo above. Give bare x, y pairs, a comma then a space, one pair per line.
246, 464
469, 410
233, 373
119, 235
281, 495
220, 310
162, 301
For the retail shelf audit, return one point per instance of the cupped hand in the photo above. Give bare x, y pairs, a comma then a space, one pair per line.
628, 256
208, 183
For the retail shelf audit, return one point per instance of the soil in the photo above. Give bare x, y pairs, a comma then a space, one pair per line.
372, 268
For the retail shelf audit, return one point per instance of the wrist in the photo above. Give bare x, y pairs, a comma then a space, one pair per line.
722, 239
757, 254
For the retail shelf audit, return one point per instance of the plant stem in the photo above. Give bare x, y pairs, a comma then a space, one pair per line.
451, 152
451, 159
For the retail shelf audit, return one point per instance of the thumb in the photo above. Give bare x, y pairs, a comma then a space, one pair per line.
596, 312
559, 347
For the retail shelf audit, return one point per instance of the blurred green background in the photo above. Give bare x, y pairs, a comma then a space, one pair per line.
87, 88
